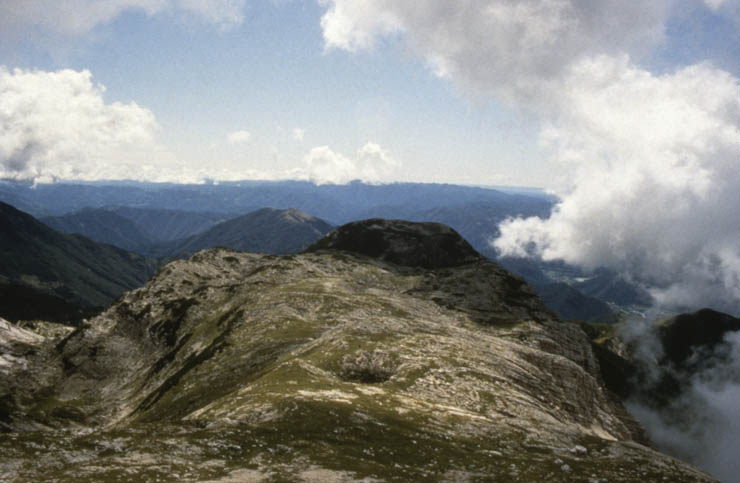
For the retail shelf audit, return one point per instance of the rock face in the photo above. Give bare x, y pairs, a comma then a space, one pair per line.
343, 363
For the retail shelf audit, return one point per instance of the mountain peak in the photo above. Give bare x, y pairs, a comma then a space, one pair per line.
428, 245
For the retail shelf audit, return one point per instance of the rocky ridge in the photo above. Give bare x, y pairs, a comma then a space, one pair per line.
418, 360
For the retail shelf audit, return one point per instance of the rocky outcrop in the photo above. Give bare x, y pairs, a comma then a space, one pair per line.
343, 363
428, 245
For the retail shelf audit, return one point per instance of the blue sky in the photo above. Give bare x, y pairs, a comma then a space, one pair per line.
268, 68
270, 75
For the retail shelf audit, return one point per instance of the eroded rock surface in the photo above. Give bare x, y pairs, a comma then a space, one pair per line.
330, 365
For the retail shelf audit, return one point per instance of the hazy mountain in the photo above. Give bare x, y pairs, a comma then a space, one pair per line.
165, 212
657, 365
611, 287
161, 225
570, 304
336, 364
71, 267
334, 203
132, 228
263, 231
101, 225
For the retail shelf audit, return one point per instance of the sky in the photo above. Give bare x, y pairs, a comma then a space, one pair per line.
239, 89
326, 90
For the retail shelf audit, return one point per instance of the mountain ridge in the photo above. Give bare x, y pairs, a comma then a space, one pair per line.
327, 362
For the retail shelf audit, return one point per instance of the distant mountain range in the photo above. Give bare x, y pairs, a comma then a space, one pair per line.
165, 220
171, 233
102, 225
336, 204
135, 229
263, 231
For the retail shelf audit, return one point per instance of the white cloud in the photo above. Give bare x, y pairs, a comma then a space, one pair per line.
78, 17
57, 125
371, 164
324, 166
374, 163
652, 160
510, 48
654, 193
239, 137
299, 134
355, 24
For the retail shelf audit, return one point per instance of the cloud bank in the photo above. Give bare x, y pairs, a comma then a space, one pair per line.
651, 159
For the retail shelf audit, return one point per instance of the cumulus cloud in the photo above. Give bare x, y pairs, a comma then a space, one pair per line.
651, 159
78, 17
239, 137
370, 164
355, 24
654, 193
510, 48
56, 125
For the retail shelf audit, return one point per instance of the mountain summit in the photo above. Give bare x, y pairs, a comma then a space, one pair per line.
267, 230
404, 358
428, 245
